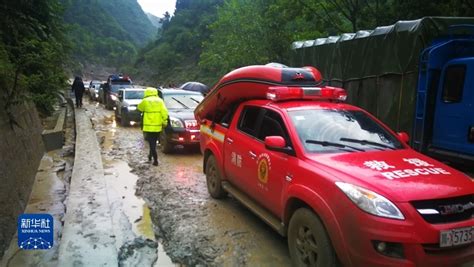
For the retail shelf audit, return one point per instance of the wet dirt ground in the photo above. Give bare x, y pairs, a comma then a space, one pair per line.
193, 228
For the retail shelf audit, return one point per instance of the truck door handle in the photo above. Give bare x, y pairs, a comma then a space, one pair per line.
252, 155
229, 140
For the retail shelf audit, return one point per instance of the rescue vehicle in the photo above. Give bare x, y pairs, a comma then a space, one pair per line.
342, 186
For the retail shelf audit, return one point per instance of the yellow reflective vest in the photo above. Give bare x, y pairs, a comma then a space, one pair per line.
155, 114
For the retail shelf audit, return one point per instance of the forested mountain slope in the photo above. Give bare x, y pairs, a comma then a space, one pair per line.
106, 32
130, 16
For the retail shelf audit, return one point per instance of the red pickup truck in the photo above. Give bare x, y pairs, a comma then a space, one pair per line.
342, 186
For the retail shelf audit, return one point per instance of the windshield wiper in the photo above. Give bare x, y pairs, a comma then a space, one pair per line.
186, 107
326, 143
366, 142
197, 101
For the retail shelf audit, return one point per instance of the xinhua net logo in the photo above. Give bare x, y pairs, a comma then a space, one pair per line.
35, 231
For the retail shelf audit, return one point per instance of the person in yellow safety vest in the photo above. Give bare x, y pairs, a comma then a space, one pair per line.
155, 118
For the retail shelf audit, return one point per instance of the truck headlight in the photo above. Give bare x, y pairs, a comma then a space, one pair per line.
370, 202
113, 97
176, 123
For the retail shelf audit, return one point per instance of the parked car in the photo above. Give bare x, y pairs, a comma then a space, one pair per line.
195, 87
86, 86
182, 128
101, 93
94, 90
126, 105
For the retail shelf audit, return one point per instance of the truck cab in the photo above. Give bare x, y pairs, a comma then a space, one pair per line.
444, 121
112, 87
454, 111
341, 185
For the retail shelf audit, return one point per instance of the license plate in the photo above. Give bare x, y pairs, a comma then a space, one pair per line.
456, 237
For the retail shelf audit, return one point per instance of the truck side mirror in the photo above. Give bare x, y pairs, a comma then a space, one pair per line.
277, 143
404, 137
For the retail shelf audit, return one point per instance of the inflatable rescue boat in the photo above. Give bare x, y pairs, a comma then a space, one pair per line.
253, 82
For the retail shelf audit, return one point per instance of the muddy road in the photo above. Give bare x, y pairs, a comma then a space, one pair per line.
193, 228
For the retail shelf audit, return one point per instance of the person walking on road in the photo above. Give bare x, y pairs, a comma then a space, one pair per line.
155, 118
78, 89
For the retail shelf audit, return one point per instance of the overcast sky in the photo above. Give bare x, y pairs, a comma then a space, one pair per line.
158, 7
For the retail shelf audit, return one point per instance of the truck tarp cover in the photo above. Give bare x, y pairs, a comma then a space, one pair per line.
378, 68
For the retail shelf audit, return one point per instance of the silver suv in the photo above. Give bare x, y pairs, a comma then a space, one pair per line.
126, 105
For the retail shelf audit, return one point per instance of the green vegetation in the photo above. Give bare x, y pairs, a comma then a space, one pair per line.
106, 32
207, 38
32, 50
131, 18
174, 56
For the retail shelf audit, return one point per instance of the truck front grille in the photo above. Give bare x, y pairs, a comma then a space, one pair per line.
446, 210
191, 124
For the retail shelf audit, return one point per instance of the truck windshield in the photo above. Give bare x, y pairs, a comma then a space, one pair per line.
131, 94
328, 131
182, 101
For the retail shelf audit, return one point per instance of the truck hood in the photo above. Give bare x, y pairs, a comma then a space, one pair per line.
183, 114
400, 175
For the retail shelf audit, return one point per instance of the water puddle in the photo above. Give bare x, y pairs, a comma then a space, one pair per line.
121, 189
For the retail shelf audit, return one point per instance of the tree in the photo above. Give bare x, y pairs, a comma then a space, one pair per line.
180, 43
32, 50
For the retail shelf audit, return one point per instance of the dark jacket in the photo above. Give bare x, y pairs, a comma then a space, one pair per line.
78, 86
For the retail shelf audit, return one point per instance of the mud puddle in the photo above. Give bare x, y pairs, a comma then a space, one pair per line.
136, 241
129, 212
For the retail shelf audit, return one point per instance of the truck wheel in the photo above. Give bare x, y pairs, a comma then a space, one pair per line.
116, 116
214, 178
124, 120
165, 146
308, 240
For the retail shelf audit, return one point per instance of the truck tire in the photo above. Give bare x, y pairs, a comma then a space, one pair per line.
124, 120
308, 241
165, 146
214, 178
